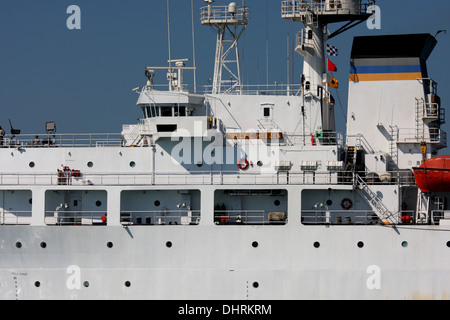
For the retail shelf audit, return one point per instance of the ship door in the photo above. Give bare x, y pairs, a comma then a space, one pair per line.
75, 205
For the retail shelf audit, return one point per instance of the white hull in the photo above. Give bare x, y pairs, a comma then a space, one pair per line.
211, 262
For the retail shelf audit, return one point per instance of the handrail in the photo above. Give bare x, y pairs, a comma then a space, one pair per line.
15, 217
222, 14
294, 7
361, 141
203, 178
89, 140
73, 218
249, 217
339, 217
160, 217
430, 135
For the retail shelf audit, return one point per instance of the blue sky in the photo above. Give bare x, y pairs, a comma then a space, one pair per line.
82, 79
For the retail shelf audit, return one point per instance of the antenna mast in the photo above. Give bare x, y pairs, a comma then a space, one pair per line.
230, 21
168, 34
193, 47
316, 15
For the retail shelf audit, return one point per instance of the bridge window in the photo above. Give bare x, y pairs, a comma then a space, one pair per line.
166, 112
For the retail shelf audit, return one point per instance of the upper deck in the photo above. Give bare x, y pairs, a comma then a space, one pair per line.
88, 140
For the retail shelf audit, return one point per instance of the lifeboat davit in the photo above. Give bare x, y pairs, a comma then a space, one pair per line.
434, 175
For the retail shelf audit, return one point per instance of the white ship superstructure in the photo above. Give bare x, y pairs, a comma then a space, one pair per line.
238, 192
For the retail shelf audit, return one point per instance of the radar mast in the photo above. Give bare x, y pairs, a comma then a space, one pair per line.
230, 22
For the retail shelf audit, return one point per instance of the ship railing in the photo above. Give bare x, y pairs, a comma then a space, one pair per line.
350, 217
222, 15
89, 140
429, 84
161, 217
294, 8
275, 89
249, 217
205, 178
429, 135
15, 217
322, 138
360, 142
75, 218
339, 217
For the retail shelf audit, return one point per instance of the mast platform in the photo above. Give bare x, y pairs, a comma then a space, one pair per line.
224, 15
329, 11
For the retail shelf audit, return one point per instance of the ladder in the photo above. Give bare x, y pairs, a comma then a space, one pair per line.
350, 157
312, 20
393, 147
420, 111
377, 204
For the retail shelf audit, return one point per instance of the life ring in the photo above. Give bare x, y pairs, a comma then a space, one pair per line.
243, 164
346, 204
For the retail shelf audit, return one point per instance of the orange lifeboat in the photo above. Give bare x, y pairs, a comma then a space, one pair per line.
434, 175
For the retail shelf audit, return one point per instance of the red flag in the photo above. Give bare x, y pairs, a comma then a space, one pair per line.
331, 66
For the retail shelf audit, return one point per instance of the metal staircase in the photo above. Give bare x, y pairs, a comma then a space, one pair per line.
393, 147
139, 133
377, 204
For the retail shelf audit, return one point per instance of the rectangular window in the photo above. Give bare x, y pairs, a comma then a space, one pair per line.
166, 112
182, 111
266, 112
160, 207
251, 207
166, 127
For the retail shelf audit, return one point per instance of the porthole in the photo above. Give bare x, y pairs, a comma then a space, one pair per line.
255, 285
329, 202
199, 164
37, 284
31, 164
448, 244
169, 244
127, 284
255, 244
316, 244
277, 203
86, 284
18, 245
98, 203
43, 245
90, 164
30, 201
109, 244
405, 244
157, 203
259, 163
132, 164
360, 244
